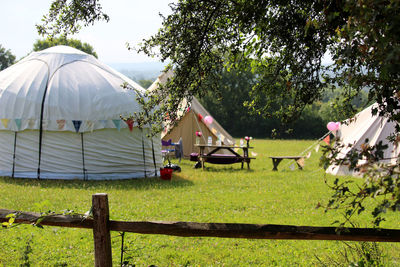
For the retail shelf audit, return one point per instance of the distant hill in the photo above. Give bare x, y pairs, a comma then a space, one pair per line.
139, 71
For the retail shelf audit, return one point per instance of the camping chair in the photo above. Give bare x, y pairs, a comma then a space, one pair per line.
167, 148
178, 149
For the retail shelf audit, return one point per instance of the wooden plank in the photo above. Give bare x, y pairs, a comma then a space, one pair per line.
286, 157
226, 157
257, 231
74, 221
101, 231
226, 230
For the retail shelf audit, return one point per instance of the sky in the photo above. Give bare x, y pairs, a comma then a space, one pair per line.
130, 21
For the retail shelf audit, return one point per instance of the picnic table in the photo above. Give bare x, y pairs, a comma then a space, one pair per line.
215, 158
277, 159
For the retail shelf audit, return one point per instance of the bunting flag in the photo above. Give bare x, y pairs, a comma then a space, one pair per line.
77, 125
199, 117
130, 124
117, 124
214, 131
327, 139
292, 167
45, 123
5, 122
308, 155
90, 125
31, 123
300, 162
317, 148
61, 124
18, 123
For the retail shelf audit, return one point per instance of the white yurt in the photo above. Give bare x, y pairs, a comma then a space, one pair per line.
357, 131
60, 118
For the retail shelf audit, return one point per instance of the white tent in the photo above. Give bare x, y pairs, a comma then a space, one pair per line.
354, 132
60, 118
190, 121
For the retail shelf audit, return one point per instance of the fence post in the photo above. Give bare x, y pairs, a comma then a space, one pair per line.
101, 231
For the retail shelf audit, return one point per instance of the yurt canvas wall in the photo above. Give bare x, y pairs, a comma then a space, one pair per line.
60, 118
356, 130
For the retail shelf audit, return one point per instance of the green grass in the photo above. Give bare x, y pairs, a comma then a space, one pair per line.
216, 194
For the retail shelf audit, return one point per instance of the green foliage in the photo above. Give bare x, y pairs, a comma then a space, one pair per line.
228, 107
65, 17
27, 251
6, 58
381, 182
362, 254
46, 43
217, 194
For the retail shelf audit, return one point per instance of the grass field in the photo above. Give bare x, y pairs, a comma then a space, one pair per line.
217, 194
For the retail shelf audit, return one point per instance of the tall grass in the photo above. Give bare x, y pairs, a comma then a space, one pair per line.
220, 193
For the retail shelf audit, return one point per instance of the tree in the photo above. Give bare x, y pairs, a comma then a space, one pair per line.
46, 43
6, 58
285, 43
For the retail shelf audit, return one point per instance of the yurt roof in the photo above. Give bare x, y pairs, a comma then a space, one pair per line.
63, 84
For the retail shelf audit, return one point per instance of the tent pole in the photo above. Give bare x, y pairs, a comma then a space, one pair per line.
15, 146
83, 160
154, 157
144, 155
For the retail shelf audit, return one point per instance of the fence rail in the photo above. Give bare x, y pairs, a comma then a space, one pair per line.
102, 226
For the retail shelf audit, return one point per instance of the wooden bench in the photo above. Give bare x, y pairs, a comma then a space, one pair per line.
221, 159
277, 159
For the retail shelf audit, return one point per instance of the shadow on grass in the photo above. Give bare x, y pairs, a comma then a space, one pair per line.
127, 184
227, 169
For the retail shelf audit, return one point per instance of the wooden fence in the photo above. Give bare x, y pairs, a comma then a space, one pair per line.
102, 226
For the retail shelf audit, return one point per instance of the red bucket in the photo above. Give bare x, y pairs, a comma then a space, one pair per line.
166, 173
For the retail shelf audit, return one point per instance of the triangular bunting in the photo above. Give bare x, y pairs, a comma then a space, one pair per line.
77, 125
45, 123
214, 131
31, 123
61, 124
300, 162
18, 123
130, 124
327, 140
5, 122
90, 125
292, 167
117, 124
317, 148
308, 155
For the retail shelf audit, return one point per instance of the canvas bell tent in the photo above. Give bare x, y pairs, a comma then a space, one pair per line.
191, 120
354, 132
60, 118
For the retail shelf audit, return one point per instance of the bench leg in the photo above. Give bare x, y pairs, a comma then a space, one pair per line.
276, 162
